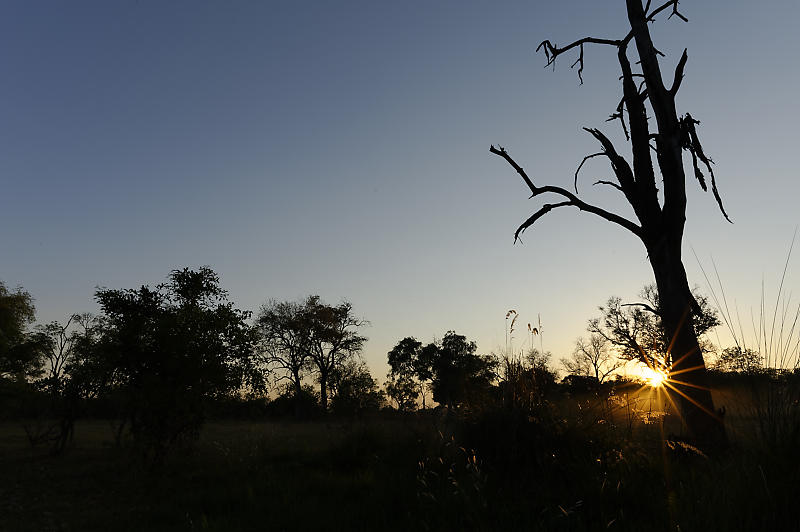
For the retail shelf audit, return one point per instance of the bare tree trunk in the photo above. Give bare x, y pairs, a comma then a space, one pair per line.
688, 375
323, 391
298, 390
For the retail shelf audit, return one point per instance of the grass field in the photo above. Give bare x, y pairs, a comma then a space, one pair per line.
577, 467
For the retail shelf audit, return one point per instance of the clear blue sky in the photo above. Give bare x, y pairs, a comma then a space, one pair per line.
341, 149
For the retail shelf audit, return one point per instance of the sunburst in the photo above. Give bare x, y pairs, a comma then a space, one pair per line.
654, 377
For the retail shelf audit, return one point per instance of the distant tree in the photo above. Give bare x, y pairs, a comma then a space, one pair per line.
739, 360
333, 339
525, 380
410, 370
170, 350
21, 351
638, 332
653, 183
284, 330
62, 387
354, 390
592, 358
60, 342
404, 391
460, 375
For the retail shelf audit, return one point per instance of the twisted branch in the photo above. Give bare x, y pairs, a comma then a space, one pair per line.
552, 51
572, 200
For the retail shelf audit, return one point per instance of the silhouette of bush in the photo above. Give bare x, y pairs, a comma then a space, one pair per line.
302, 405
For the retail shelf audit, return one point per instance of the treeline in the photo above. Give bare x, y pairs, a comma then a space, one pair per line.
159, 360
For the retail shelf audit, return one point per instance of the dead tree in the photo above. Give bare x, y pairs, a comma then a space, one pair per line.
661, 221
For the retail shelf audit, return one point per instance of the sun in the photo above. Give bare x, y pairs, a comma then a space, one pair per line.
654, 377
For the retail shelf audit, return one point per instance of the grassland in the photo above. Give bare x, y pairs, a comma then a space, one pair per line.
576, 464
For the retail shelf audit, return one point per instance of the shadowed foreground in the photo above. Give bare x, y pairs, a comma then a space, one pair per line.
583, 464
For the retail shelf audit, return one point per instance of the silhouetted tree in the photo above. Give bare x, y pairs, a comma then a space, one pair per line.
21, 351
592, 358
333, 339
285, 332
638, 332
410, 371
62, 389
170, 350
60, 342
739, 360
460, 375
404, 391
661, 218
353, 389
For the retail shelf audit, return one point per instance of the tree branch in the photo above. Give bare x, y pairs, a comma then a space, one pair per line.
609, 183
591, 156
643, 305
665, 5
676, 84
691, 142
618, 163
538, 214
501, 151
552, 51
572, 199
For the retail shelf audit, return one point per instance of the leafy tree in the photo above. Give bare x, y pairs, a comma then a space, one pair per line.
60, 347
411, 371
284, 328
460, 375
21, 351
660, 211
592, 358
170, 350
638, 329
354, 390
739, 360
333, 339
64, 385
404, 391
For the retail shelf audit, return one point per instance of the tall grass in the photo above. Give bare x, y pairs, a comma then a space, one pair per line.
775, 335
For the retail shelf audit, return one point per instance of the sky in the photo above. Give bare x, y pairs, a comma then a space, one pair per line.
341, 149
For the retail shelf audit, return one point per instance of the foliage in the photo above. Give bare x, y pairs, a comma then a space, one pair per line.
166, 351
410, 372
638, 332
21, 352
738, 359
354, 389
284, 334
333, 339
461, 377
404, 391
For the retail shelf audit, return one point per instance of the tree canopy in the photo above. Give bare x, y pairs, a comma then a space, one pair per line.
168, 350
21, 351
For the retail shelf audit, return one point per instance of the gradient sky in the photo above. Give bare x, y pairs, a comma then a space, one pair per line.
341, 149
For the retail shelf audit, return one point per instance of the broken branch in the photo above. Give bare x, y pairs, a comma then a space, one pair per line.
572, 198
